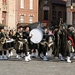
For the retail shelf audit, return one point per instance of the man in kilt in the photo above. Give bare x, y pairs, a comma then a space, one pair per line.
56, 41
26, 44
19, 41
62, 48
71, 40
3, 45
43, 45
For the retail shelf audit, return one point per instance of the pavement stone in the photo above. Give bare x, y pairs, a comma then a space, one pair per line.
37, 66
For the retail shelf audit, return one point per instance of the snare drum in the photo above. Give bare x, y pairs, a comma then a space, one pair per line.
12, 43
8, 44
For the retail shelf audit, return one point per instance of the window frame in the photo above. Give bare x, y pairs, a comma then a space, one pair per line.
22, 4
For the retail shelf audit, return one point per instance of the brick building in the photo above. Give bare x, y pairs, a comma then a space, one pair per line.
13, 12
50, 11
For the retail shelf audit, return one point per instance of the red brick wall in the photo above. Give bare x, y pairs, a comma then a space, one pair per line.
26, 11
3, 1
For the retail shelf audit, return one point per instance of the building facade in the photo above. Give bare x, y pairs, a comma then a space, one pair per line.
70, 12
13, 12
50, 11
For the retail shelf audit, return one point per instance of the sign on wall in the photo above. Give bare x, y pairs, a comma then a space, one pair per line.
46, 8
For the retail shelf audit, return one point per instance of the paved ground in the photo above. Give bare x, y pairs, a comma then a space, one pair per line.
14, 66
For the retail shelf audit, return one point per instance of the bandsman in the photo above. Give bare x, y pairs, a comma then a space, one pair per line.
3, 45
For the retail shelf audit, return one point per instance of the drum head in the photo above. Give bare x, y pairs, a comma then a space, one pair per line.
37, 35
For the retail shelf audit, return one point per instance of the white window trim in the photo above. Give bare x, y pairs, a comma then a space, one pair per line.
30, 19
21, 18
22, 2
31, 4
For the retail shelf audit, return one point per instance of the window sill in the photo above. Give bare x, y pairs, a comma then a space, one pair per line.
31, 9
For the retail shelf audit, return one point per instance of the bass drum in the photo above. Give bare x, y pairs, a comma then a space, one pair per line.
37, 35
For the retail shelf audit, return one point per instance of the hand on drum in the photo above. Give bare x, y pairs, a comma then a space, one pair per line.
31, 35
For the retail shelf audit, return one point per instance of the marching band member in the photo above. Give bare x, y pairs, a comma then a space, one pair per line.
71, 38
56, 41
26, 39
3, 39
63, 43
43, 46
19, 41
33, 50
10, 37
73, 46
71, 30
51, 39
62, 47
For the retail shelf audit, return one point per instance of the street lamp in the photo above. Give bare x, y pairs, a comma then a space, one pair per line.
71, 8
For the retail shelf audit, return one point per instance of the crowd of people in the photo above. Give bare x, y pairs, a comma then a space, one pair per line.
60, 39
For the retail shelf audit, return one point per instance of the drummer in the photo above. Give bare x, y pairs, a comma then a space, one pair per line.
43, 46
19, 41
3, 39
26, 43
11, 37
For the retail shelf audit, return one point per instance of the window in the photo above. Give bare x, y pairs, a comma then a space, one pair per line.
21, 3
73, 0
22, 18
59, 15
31, 19
53, 15
4, 1
53, 7
46, 15
31, 4
3, 17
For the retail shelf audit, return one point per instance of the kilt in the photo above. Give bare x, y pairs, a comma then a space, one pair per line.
1, 46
